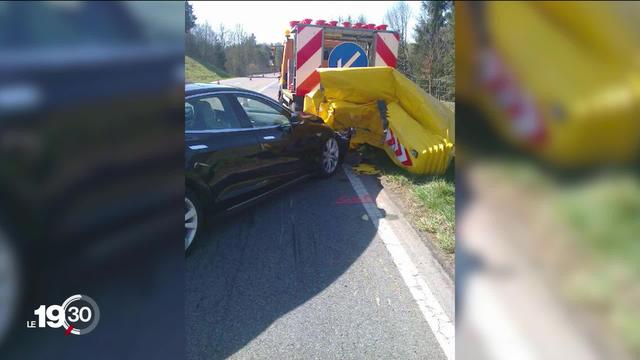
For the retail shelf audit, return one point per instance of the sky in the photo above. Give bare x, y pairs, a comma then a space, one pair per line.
269, 19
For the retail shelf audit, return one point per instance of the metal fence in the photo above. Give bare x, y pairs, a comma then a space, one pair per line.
442, 89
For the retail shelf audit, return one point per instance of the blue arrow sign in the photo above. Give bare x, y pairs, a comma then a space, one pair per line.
348, 54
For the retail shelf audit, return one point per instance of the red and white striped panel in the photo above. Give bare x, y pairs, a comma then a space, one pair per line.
398, 149
308, 58
387, 49
525, 120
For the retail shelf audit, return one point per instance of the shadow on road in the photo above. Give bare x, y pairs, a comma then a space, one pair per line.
258, 265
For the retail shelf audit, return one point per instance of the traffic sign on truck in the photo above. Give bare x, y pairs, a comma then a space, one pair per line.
311, 45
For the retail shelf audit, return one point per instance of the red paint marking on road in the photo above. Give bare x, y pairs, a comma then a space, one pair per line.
345, 200
68, 331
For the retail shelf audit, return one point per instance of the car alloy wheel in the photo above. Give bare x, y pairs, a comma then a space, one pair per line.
330, 156
190, 222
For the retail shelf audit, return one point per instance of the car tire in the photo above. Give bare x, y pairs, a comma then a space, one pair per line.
329, 157
193, 219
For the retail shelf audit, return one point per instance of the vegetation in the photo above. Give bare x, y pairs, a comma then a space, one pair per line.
586, 225
189, 17
197, 72
430, 200
432, 204
430, 61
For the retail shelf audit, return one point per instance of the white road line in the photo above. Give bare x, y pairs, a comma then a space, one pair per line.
268, 86
502, 338
441, 325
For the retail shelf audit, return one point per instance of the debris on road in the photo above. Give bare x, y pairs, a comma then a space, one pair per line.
346, 200
366, 169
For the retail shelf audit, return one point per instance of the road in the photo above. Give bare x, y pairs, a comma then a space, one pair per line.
327, 269
506, 303
266, 84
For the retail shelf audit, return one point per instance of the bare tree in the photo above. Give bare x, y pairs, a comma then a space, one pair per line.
353, 19
347, 18
397, 17
223, 36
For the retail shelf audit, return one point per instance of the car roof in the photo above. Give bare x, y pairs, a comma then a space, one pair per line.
201, 88
194, 88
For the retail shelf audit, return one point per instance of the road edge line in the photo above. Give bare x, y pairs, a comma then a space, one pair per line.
441, 325
268, 86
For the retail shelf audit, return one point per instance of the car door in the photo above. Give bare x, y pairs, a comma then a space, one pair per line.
221, 151
281, 157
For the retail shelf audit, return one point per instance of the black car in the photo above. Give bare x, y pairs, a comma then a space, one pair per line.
90, 107
241, 146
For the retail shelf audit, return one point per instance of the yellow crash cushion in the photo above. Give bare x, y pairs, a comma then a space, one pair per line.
421, 136
575, 66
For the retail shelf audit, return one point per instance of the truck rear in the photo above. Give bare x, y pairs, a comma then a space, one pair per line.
326, 44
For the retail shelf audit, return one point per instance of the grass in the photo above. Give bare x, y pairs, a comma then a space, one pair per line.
605, 214
198, 72
601, 213
438, 198
430, 199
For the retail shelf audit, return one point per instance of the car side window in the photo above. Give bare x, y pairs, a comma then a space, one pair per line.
209, 113
261, 113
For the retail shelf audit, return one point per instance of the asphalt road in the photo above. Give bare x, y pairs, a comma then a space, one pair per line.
327, 269
265, 83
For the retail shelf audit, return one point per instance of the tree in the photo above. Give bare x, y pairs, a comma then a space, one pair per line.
397, 17
352, 19
433, 56
189, 17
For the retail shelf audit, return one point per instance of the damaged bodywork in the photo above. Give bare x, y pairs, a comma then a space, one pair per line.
387, 111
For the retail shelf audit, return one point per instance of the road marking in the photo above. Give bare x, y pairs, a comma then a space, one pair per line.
441, 325
501, 338
268, 86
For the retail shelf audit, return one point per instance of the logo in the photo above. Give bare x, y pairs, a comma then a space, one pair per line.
78, 315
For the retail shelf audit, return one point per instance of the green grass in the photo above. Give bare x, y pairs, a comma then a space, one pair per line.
431, 199
198, 72
601, 213
604, 213
438, 198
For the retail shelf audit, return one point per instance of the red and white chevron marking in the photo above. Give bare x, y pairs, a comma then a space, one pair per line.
524, 117
398, 149
387, 49
308, 58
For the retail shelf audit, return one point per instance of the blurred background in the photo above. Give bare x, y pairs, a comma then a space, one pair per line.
548, 192
91, 181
